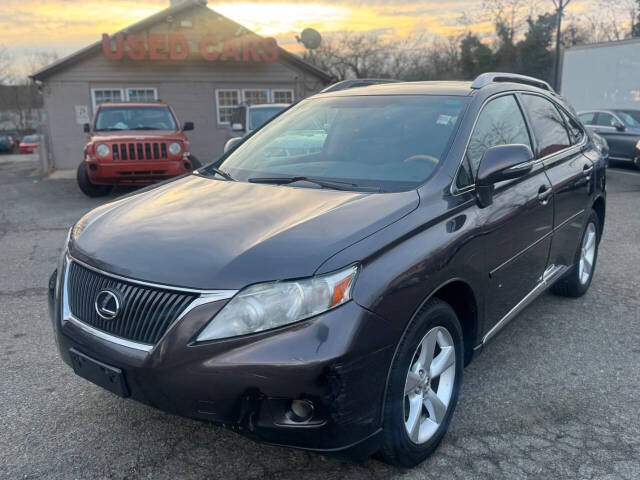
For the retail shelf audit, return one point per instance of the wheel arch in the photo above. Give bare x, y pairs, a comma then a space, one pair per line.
459, 294
599, 206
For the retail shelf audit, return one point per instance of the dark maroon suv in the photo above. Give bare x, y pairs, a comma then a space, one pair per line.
324, 282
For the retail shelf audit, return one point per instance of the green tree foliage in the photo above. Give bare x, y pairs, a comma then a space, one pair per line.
532, 55
475, 57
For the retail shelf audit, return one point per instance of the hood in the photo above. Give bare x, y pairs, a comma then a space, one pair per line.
136, 135
206, 233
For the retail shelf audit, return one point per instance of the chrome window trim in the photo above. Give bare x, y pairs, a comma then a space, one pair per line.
455, 191
206, 296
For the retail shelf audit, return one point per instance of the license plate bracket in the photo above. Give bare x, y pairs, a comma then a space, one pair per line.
105, 376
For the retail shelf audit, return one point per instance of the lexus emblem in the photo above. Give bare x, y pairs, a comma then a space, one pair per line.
107, 304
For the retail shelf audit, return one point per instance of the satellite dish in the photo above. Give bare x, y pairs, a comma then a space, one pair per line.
310, 38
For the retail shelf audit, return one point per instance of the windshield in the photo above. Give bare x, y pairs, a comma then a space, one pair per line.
135, 118
391, 143
631, 118
30, 138
260, 116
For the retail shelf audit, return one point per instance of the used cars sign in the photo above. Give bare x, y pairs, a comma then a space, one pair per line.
161, 46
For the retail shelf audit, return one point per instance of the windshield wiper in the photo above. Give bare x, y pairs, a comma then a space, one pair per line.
145, 128
333, 184
222, 173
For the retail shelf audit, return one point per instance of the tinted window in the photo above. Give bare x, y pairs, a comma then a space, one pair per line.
587, 118
576, 133
605, 120
500, 123
548, 126
389, 142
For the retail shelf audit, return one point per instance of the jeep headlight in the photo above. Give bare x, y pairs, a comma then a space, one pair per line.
175, 148
103, 150
270, 305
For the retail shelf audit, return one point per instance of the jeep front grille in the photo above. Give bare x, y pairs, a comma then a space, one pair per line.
145, 313
139, 151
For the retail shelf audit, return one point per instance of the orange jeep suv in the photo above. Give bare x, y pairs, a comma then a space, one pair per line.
133, 144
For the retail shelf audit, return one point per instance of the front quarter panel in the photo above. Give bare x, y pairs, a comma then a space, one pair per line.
404, 264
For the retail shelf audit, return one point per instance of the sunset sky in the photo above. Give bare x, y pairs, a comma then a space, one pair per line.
67, 25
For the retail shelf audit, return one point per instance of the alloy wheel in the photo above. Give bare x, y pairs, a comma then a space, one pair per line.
429, 385
587, 254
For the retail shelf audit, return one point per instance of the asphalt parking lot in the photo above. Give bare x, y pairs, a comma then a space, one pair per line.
555, 395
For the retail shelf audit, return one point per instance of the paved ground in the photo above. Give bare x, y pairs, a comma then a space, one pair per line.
554, 396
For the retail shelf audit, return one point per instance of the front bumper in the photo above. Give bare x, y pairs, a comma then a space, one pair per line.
136, 173
338, 361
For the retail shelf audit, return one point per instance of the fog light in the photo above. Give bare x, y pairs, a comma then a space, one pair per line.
301, 411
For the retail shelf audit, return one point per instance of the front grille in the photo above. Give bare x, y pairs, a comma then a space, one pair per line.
139, 151
145, 314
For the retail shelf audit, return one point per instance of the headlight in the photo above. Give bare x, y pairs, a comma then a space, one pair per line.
103, 150
175, 148
269, 305
638, 145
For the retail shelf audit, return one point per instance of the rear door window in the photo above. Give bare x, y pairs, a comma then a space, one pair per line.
605, 120
588, 118
548, 125
576, 134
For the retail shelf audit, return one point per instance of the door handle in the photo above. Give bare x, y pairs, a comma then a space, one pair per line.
544, 193
587, 171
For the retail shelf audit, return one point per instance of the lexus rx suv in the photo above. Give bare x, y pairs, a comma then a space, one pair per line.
329, 300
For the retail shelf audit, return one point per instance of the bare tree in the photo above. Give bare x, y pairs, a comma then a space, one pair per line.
560, 6
6, 66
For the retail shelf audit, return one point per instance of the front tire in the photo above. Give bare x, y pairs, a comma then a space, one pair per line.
577, 281
88, 188
423, 385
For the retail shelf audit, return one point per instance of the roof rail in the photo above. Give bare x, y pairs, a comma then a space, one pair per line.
487, 78
357, 82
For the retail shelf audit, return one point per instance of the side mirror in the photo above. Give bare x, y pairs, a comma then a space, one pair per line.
86, 128
237, 127
232, 143
619, 126
499, 163
188, 126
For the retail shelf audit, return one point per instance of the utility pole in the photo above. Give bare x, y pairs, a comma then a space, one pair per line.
560, 6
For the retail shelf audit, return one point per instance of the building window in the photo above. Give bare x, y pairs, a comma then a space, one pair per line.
282, 96
105, 95
142, 94
255, 97
227, 100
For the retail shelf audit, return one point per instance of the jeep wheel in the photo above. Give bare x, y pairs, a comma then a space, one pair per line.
423, 385
195, 163
88, 188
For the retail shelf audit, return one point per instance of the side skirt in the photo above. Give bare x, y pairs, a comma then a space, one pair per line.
551, 274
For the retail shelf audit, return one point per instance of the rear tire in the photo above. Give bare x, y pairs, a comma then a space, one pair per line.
423, 391
88, 188
577, 281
